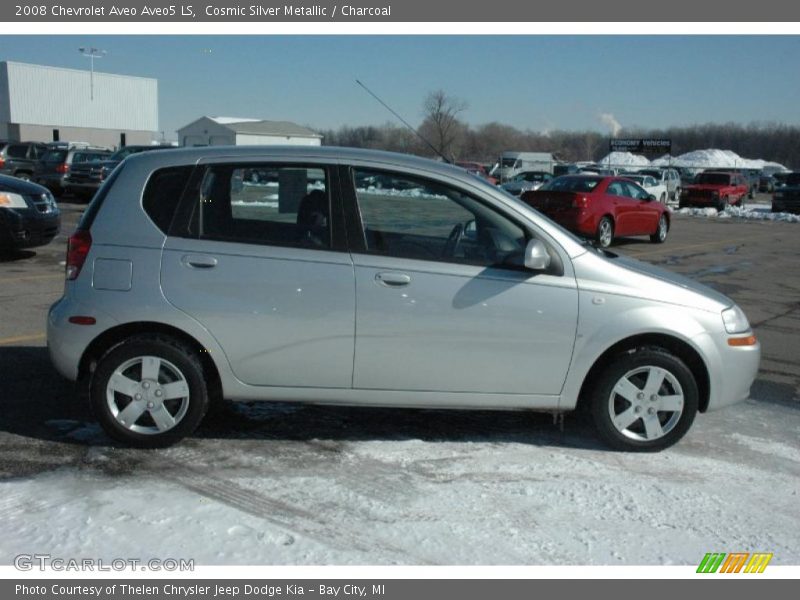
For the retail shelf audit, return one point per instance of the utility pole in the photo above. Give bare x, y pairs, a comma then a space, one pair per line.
91, 54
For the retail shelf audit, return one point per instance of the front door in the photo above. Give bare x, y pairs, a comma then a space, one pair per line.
443, 302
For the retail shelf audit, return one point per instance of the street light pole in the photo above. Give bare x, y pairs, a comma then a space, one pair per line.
91, 54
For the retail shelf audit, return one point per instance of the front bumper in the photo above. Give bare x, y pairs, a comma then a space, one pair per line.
735, 373
28, 228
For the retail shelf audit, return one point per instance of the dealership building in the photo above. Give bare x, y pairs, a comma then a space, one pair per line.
46, 104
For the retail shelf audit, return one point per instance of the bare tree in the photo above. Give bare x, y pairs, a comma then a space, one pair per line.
441, 122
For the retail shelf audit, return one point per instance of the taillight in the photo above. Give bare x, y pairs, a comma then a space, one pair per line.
580, 202
2, 162
77, 250
62, 168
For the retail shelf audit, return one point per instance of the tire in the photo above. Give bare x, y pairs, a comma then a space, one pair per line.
605, 232
168, 404
627, 377
722, 204
662, 229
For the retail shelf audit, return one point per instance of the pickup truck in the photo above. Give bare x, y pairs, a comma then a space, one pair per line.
716, 189
787, 197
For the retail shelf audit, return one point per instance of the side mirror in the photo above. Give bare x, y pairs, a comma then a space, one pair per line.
536, 256
651, 197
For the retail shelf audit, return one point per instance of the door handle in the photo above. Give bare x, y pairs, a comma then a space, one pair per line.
199, 261
390, 279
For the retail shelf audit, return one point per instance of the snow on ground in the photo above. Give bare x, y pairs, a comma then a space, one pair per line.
751, 212
523, 494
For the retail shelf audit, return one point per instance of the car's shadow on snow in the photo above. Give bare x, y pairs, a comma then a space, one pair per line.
38, 404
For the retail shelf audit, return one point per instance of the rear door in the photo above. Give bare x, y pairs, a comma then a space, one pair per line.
262, 265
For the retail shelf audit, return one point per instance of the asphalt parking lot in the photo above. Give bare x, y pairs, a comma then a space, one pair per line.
283, 484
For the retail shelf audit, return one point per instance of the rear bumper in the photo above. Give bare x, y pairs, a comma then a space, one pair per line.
82, 188
576, 220
54, 182
28, 228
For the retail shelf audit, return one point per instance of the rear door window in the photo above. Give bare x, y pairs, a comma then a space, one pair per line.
274, 205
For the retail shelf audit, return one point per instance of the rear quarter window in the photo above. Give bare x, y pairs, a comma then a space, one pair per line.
163, 193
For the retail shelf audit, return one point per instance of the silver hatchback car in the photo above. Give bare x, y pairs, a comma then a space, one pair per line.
342, 276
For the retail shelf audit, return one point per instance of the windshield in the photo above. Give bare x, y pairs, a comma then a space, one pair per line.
652, 173
638, 179
714, 179
55, 156
532, 176
571, 184
83, 157
123, 152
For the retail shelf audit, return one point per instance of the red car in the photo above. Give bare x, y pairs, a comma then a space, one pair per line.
477, 169
601, 207
716, 189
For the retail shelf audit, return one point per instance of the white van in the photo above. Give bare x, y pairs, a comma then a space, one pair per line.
512, 163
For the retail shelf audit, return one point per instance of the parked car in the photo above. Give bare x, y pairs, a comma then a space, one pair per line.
19, 159
717, 189
53, 169
513, 163
750, 176
84, 179
766, 183
601, 208
442, 293
780, 178
787, 197
29, 216
525, 181
669, 177
650, 185
478, 169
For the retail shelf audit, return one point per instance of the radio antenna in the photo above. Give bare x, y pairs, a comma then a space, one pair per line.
404, 122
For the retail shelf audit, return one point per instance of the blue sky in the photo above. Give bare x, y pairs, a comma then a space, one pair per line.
536, 82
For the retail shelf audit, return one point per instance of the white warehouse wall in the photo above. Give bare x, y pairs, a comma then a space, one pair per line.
40, 95
245, 139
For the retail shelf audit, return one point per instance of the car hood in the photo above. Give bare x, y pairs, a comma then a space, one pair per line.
614, 274
19, 186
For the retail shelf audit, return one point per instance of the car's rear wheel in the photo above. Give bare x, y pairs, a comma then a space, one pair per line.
605, 232
149, 391
660, 236
644, 400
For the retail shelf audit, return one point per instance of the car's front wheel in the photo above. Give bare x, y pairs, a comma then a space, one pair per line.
644, 400
149, 391
605, 232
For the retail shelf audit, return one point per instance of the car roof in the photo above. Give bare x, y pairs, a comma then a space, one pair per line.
178, 156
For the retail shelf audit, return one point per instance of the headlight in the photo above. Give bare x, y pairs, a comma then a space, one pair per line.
735, 320
9, 200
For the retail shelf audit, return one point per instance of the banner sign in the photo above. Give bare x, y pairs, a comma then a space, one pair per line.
640, 146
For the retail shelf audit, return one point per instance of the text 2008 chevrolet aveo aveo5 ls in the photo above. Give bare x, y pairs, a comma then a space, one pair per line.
341, 276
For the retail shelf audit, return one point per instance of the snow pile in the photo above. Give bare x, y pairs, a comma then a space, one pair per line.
697, 159
752, 212
626, 159
711, 158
